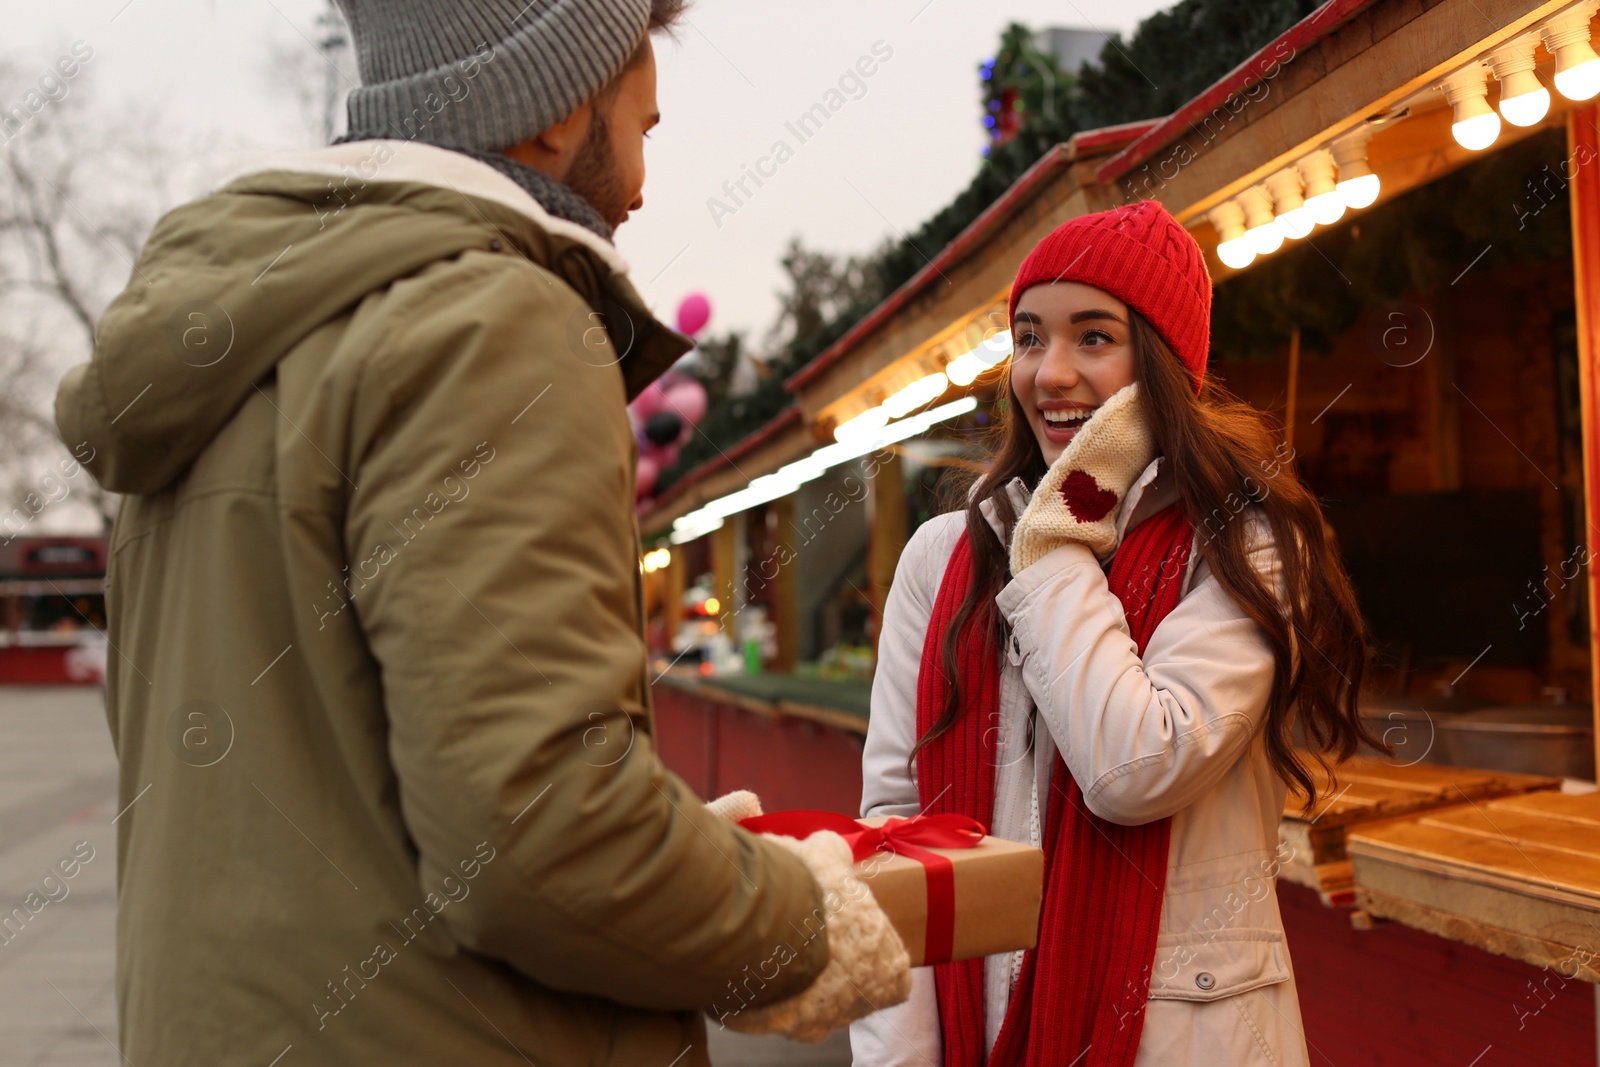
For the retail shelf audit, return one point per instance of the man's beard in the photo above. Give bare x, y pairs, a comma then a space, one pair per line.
593, 175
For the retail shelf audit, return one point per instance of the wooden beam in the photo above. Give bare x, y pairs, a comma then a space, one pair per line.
785, 599
886, 534
1294, 388
676, 585
723, 554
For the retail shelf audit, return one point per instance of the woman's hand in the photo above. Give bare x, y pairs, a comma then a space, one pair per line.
1082, 493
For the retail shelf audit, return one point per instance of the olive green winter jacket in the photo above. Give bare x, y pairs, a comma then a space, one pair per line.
379, 689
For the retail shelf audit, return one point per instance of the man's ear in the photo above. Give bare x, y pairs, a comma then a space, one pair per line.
553, 149
564, 137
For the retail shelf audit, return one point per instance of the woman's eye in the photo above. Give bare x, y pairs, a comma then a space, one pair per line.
1028, 339
1095, 338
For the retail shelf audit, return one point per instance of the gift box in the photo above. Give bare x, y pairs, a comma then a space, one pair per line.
951, 891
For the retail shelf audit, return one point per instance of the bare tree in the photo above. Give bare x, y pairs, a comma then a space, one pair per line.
821, 286
318, 70
79, 192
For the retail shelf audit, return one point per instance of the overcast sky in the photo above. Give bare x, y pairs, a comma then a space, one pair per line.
740, 71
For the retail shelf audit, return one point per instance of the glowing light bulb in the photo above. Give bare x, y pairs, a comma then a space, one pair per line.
1264, 239
1293, 218
1478, 132
1323, 202
1261, 230
1567, 38
1236, 253
1328, 208
1523, 99
1476, 123
922, 391
1527, 108
1358, 186
863, 425
1227, 218
1580, 82
1360, 192
965, 368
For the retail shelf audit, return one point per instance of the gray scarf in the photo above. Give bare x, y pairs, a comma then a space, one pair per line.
555, 197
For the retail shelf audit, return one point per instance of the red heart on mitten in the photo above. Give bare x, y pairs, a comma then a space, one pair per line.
1084, 498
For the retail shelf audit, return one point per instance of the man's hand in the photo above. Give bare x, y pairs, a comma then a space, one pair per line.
739, 804
868, 966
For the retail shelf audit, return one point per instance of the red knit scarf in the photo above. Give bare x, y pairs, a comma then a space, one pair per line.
1081, 994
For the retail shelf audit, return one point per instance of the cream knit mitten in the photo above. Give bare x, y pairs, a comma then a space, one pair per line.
868, 967
1080, 495
739, 804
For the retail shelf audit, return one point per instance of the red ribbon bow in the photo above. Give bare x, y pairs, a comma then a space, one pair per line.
911, 838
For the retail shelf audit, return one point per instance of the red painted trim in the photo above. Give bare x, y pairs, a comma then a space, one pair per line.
781, 422
1058, 157
1583, 144
1090, 142
1054, 159
47, 665
1315, 26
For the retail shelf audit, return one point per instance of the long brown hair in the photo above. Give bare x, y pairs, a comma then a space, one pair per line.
1224, 460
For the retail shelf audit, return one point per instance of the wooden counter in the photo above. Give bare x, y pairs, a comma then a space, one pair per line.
1517, 875
1366, 791
839, 704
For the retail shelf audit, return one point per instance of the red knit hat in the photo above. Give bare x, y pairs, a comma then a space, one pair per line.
1142, 256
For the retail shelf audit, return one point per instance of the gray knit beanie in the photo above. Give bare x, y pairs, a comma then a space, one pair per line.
485, 74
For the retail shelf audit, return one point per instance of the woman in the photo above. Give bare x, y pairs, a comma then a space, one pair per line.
1100, 656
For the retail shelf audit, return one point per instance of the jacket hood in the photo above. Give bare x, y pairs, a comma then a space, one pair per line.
230, 283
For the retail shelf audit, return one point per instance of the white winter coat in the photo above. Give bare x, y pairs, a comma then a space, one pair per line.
1177, 734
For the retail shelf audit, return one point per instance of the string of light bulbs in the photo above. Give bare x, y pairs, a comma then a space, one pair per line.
1523, 98
1317, 190
1291, 202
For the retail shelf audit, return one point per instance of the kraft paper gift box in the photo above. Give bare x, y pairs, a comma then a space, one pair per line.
983, 896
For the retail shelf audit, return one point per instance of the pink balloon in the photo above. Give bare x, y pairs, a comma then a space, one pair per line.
688, 399
645, 477
694, 313
648, 402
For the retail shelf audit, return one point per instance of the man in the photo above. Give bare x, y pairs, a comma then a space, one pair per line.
379, 691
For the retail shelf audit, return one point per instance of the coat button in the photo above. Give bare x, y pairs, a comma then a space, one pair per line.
494, 246
1205, 980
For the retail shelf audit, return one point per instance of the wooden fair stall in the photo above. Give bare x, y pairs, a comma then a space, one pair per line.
52, 611
1428, 345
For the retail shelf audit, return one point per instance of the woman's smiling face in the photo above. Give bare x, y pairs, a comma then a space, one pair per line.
1072, 351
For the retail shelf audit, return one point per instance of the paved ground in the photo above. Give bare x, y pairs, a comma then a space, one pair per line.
57, 800
58, 779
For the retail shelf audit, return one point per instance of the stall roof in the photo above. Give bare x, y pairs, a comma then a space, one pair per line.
788, 419
1352, 60
1059, 157
1315, 26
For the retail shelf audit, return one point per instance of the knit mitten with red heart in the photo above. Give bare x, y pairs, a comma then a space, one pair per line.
1080, 495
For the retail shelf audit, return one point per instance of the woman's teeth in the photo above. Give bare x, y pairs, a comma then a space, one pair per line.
1062, 418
